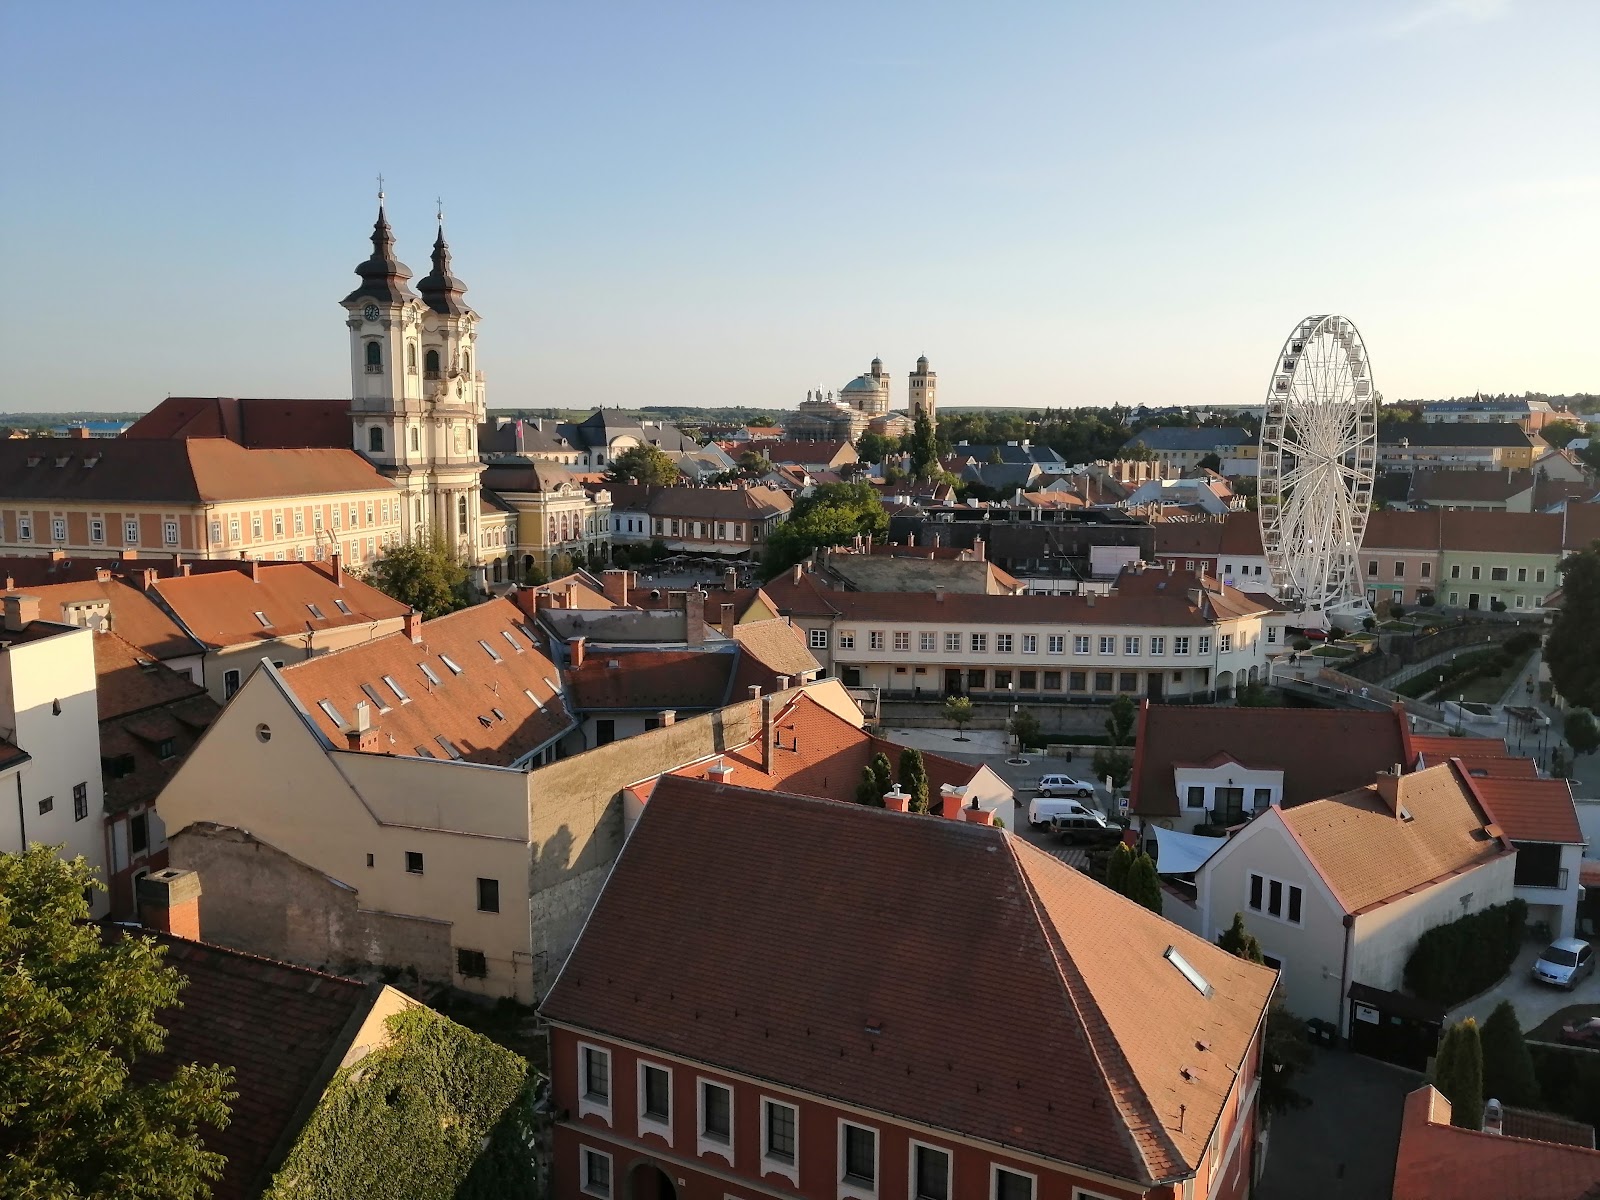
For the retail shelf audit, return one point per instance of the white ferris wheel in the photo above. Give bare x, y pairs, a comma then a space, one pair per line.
1318, 456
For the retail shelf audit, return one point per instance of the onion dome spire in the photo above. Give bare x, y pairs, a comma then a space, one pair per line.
439, 289
383, 276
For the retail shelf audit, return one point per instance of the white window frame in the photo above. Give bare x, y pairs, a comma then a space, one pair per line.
902, 641
652, 1124
1057, 643
1108, 645
853, 1187
1225, 643
911, 1168
1205, 643
1131, 644
776, 1166
169, 533
706, 1143
583, 1167
588, 1106
847, 639
926, 642
994, 1180
952, 643
1080, 643
979, 643
1158, 644
819, 639
874, 639
130, 532
1030, 643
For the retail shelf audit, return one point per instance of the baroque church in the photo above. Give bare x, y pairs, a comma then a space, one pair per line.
863, 406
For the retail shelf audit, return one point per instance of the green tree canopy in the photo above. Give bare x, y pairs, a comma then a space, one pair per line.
643, 464
1239, 941
874, 447
831, 516
1025, 727
1143, 884
1119, 724
1115, 765
958, 711
75, 1013
1508, 1074
883, 772
1573, 648
924, 448
425, 574
868, 792
914, 778
1581, 732
753, 462
1117, 868
1458, 1073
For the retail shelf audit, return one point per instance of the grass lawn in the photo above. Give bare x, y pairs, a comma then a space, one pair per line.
1549, 1030
1487, 689
1332, 652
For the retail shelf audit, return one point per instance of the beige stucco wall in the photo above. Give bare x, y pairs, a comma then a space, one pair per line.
245, 657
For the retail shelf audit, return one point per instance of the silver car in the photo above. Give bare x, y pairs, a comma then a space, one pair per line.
1564, 963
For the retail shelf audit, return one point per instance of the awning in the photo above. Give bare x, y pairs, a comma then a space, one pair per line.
1182, 853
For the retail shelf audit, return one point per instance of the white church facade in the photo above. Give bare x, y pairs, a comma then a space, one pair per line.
863, 405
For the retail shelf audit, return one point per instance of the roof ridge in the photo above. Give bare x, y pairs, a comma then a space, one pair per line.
128, 928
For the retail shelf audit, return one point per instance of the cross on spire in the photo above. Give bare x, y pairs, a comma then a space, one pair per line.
380, 189
439, 209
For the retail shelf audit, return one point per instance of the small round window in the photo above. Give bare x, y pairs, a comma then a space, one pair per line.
263, 733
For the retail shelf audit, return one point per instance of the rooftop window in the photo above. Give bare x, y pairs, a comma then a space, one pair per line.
428, 671
447, 746
489, 650
342, 607
424, 751
377, 700
511, 640
449, 662
498, 714
1187, 971
316, 612
262, 617
397, 689
333, 713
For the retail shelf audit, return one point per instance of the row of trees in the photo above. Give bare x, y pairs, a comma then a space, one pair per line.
1134, 875
1490, 1063
877, 780
833, 515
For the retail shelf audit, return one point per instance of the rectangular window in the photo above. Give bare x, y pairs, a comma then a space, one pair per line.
1455, 570
859, 1152
139, 833
80, 801
1477, 572
1102, 681
847, 640
169, 532
1028, 681
1079, 680
97, 530
1205, 643
230, 683
369, 512
1128, 681
1012, 1185
255, 526
489, 895
46, 805
233, 529
1002, 643
1272, 635
1427, 570
1030, 643
1197, 798
1052, 681
1261, 799
316, 516
819, 639
1455, 598
1158, 645
1130, 645
980, 643
1399, 569
952, 643
1538, 575
716, 1112
596, 1173
58, 529
930, 1173
299, 520
778, 1132
1372, 568
875, 640
490, 650
902, 639
1057, 644
1108, 644
1002, 680
1522, 574
655, 1092
130, 532
414, 862
925, 642
977, 679
1499, 574
1225, 642
1257, 885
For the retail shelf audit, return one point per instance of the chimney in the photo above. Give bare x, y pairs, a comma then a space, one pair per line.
572, 596
575, 652
783, 684
976, 815
897, 801
694, 624
77, 431
730, 579
797, 571
911, 539
669, 716
949, 803
184, 570
169, 902
767, 733
1494, 1118
337, 561
20, 612
58, 556
978, 550
935, 539
414, 627
1387, 785
755, 691
727, 620
938, 592
544, 600
615, 585
255, 570
127, 555
102, 575
720, 773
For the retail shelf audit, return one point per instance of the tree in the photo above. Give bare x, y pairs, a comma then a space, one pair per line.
1115, 765
1117, 868
833, 515
78, 1011
1119, 725
1025, 727
958, 711
1560, 433
914, 778
882, 772
1508, 1074
874, 447
867, 791
1581, 732
1458, 1074
1143, 885
643, 464
1239, 941
1572, 650
754, 463
924, 448
1210, 462
425, 574
561, 564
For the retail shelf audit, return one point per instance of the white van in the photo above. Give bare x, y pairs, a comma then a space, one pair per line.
1042, 808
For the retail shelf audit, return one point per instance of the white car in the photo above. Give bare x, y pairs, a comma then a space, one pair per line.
1564, 963
1065, 785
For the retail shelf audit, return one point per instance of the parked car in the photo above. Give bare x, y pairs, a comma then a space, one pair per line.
1584, 1031
1090, 828
1042, 809
1564, 963
1065, 785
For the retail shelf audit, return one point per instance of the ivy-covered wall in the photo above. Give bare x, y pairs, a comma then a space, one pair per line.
408, 1121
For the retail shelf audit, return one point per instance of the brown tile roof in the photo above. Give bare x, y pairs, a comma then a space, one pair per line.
134, 615
1445, 486
460, 707
1427, 750
142, 705
1320, 751
621, 677
1580, 526
220, 608
1368, 856
698, 503
1526, 807
190, 471
128, 679
1438, 1161
1238, 534
36, 570
283, 1029
1466, 531
768, 649
252, 423
1392, 529
784, 452
1110, 1076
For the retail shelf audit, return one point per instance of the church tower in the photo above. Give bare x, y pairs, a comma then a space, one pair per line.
924, 384
417, 397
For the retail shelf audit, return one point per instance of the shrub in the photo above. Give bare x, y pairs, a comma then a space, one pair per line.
1507, 1067
1458, 1073
1521, 643
1397, 611
1427, 600
1569, 1082
1453, 962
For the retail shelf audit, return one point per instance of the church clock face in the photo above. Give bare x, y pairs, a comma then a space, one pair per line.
370, 312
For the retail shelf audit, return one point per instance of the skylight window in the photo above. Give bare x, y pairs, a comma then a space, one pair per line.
511, 640
316, 612
378, 701
262, 617
449, 662
343, 607
1187, 971
428, 671
537, 703
399, 692
485, 721
447, 746
498, 713
489, 650
425, 752
552, 685
333, 713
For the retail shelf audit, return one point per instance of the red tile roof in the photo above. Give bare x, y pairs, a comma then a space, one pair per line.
1526, 807
144, 707
1111, 1074
220, 608
768, 649
620, 677
1320, 751
1580, 526
1429, 750
1438, 1161
254, 424
459, 707
283, 1029
1392, 529
134, 615
1465, 531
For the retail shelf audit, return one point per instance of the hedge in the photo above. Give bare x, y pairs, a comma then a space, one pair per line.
1569, 1081
1454, 962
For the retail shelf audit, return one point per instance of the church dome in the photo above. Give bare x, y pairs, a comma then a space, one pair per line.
862, 383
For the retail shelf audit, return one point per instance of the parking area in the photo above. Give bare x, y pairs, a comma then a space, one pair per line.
1534, 1002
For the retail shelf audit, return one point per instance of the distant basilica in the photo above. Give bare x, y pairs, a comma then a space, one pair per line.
862, 406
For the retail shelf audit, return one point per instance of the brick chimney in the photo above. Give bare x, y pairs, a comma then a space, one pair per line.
720, 773
768, 732
796, 572
572, 595
783, 684
694, 613
727, 620
127, 555
949, 803
169, 901
1387, 785
615, 584
575, 651
977, 815
897, 801
147, 578
730, 579
978, 550
20, 612
414, 627
669, 716
337, 561
255, 569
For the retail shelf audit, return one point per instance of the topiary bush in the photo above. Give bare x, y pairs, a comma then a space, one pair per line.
1454, 962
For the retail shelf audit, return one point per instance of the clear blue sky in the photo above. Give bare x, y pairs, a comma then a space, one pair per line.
732, 203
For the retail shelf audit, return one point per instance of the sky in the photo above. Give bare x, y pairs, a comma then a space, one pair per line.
694, 203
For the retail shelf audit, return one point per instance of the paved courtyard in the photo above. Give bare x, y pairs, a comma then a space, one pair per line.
1533, 1001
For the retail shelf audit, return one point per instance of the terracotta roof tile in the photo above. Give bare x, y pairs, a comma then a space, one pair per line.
768, 649
1526, 807
1438, 1161
253, 423
1429, 750
1391, 529
621, 677
135, 617
1096, 1082
1580, 526
220, 608
459, 707
1500, 532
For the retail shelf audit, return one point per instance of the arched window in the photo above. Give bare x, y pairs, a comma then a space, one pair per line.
415, 440
411, 358
374, 358
461, 513
466, 362
375, 439
430, 365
